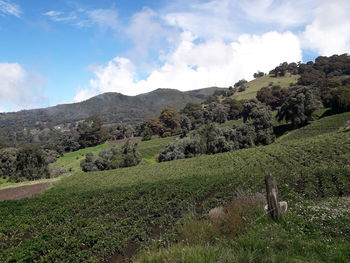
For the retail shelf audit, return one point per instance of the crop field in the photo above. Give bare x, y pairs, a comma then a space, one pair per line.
93, 217
255, 85
325, 125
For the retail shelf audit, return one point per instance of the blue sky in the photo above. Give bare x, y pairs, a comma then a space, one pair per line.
64, 51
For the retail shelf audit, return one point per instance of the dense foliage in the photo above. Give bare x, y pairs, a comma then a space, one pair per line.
31, 164
299, 106
90, 132
341, 99
113, 158
210, 139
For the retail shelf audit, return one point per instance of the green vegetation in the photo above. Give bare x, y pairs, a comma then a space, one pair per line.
89, 217
324, 125
255, 85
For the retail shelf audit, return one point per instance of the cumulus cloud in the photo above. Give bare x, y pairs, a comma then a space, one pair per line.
329, 32
9, 8
19, 88
197, 65
216, 42
148, 32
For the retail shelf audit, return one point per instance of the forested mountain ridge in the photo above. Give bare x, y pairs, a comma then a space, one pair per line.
110, 107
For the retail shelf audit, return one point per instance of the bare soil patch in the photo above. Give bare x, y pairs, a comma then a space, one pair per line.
20, 192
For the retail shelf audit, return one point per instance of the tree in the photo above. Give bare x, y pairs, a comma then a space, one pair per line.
312, 77
194, 112
341, 99
7, 162
186, 125
260, 117
258, 74
31, 164
147, 134
114, 158
235, 108
240, 83
171, 120
272, 96
156, 126
299, 106
90, 132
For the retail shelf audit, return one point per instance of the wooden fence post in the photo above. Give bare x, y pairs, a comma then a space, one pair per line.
272, 197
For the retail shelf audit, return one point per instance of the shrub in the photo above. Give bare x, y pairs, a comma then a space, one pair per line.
88, 164
7, 162
146, 134
114, 158
31, 164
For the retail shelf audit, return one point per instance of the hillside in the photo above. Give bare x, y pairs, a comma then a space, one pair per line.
101, 216
255, 85
110, 107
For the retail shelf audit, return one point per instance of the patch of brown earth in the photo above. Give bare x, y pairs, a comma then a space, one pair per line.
20, 192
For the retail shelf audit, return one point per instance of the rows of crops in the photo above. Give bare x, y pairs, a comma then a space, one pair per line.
88, 217
322, 126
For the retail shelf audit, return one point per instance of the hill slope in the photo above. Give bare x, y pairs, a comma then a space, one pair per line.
96, 216
110, 107
255, 85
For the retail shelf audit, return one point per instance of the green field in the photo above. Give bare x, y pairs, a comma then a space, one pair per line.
255, 85
92, 217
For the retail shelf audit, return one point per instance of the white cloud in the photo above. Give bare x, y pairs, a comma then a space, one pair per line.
60, 16
106, 18
329, 32
19, 88
148, 31
193, 66
9, 8
282, 13
103, 18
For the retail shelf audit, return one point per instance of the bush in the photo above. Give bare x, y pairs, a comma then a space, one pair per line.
210, 139
146, 134
88, 164
126, 156
7, 162
31, 164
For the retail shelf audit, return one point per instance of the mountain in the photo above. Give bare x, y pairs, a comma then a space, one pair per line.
111, 107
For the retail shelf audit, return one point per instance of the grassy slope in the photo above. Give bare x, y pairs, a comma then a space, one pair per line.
88, 217
255, 85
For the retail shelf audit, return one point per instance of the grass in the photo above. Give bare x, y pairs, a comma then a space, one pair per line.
255, 85
91, 217
311, 231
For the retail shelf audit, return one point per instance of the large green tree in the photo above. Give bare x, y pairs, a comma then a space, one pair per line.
90, 132
299, 106
31, 164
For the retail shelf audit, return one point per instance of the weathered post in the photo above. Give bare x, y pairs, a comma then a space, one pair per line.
272, 197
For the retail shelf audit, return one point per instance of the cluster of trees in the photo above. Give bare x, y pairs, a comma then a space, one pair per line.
167, 124
27, 163
210, 139
113, 158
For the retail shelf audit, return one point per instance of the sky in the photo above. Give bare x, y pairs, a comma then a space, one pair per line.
65, 51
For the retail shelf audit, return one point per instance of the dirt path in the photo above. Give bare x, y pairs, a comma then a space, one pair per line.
20, 192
